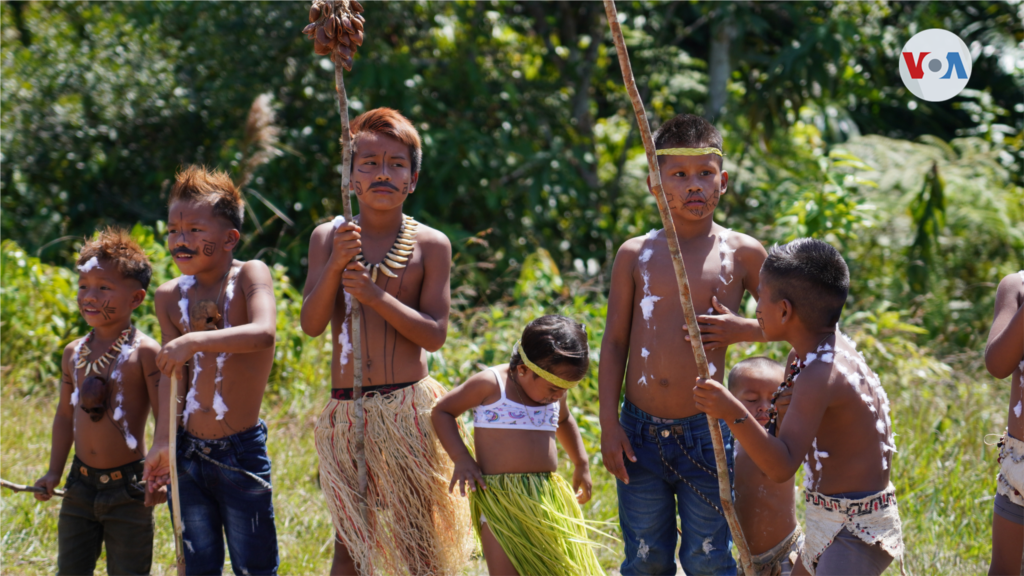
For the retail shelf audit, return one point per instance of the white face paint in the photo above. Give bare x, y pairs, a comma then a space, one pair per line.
89, 265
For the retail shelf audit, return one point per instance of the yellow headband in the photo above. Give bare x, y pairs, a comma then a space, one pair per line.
560, 382
689, 151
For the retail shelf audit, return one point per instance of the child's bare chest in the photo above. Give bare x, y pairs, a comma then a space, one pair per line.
707, 276
195, 311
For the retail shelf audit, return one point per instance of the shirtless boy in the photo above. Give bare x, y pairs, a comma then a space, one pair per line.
670, 459
398, 271
766, 509
1004, 356
109, 384
218, 321
837, 424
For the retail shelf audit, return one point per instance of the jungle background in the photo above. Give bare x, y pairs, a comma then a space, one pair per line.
534, 168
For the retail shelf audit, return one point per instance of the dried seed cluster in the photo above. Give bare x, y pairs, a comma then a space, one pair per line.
336, 28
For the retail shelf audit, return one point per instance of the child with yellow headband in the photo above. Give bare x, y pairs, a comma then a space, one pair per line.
526, 516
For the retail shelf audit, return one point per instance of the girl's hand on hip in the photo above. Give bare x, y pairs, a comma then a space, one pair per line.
467, 474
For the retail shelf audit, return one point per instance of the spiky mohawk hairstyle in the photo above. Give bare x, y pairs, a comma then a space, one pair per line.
214, 187
114, 245
688, 131
390, 123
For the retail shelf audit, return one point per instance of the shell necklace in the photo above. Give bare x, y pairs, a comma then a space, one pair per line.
399, 253
103, 361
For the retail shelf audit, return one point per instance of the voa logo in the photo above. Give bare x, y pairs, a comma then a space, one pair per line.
935, 65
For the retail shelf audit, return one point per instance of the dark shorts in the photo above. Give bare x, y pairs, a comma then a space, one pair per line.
1008, 510
104, 506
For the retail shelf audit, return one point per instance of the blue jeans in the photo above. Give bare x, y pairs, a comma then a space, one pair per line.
225, 491
675, 466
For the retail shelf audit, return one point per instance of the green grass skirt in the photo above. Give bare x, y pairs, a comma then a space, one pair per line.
538, 523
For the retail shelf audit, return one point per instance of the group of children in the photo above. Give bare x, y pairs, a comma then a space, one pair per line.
825, 410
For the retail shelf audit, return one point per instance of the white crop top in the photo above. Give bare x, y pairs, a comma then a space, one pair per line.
508, 414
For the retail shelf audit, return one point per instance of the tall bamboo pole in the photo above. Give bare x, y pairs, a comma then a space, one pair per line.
722, 466
172, 457
357, 349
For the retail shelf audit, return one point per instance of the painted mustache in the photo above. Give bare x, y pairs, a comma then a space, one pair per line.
184, 250
386, 185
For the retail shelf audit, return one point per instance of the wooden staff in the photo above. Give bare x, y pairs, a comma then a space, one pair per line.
357, 350
722, 466
172, 457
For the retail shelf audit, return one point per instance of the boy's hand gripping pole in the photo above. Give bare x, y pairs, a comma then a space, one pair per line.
172, 459
357, 349
724, 489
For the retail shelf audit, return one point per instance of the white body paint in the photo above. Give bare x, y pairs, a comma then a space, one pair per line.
89, 265
644, 353
648, 301
343, 337
643, 380
712, 370
725, 254
645, 256
74, 371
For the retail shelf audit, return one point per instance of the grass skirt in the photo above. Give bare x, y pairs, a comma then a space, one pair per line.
415, 526
538, 523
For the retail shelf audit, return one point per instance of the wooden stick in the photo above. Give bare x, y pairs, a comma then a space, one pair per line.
37, 489
24, 488
722, 466
357, 349
172, 457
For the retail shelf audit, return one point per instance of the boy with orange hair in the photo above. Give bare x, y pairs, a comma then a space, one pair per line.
218, 322
398, 271
109, 384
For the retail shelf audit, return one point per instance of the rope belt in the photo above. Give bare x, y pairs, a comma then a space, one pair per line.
674, 433
202, 447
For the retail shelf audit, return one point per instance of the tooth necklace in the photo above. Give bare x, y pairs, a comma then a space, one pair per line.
399, 253
103, 361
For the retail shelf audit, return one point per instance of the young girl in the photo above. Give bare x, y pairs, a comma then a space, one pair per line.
525, 514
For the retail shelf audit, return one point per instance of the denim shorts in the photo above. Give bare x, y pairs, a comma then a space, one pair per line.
674, 471
225, 492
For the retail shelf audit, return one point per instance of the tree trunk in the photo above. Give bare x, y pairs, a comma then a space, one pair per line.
718, 65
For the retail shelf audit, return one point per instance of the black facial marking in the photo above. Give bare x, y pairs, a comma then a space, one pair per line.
106, 309
359, 189
183, 250
208, 248
405, 189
